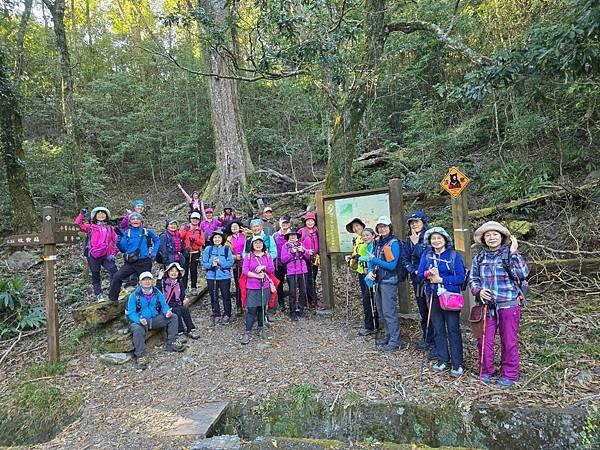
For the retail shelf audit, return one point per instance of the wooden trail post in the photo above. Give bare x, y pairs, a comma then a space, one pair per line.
326, 270
52, 233
455, 182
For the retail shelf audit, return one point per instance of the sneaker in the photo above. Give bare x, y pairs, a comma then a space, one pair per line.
439, 367
141, 363
225, 320
244, 338
365, 332
486, 378
294, 317
457, 373
388, 348
216, 320
270, 318
382, 342
175, 347
505, 383
194, 334
319, 305
423, 346
100, 298
260, 332
181, 338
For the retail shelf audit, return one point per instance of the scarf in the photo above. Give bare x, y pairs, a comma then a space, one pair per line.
172, 290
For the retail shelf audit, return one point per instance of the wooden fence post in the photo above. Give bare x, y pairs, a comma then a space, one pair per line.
48, 215
326, 269
397, 215
462, 242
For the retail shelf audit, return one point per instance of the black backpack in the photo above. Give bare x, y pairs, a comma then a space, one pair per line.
138, 300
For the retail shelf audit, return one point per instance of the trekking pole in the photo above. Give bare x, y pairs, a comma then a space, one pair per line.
373, 311
426, 336
485, 308
347, 298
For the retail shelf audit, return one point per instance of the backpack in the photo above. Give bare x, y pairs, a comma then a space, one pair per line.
400, 269
521, 285
159, 256
138, 301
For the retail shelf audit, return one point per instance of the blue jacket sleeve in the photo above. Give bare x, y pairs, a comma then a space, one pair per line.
423, 266
122, 244
273, 248
155, 243
392, 264
457, 278
205, 255
405, 259
131, 312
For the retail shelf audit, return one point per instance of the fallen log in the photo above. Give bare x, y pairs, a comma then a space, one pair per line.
284, 177
588, 266
556, 194
122, 343
100, 313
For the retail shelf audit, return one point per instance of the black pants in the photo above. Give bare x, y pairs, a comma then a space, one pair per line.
128, 269
95, 264
213, 289
423, 305
447, 334
183, 316
237, 271
191, 270
311, 287
254, 311
297, 283
280, 271
368, 302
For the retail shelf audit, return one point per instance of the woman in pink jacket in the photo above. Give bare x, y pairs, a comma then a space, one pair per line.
100, 246
310, 240
296, 258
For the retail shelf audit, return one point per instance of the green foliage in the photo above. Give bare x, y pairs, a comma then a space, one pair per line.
15, 313
516, 180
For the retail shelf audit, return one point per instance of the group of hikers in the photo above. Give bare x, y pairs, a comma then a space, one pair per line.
261, 254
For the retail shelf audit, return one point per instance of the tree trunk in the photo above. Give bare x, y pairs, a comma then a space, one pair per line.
57, 9
11, 142
232, 157
342, 151
19, 40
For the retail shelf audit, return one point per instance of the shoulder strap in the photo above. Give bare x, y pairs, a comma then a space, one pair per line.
138, 302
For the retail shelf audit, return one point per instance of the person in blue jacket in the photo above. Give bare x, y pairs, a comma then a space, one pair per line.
442, 267
382, 269
217, 260
139, 246
418, 224
147, 310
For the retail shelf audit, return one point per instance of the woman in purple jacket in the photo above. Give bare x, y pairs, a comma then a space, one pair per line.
295, 257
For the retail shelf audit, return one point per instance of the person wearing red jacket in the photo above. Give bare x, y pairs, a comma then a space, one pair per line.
193, 239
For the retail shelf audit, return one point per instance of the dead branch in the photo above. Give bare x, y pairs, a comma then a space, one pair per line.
11, 347
563, 252
284, 177
285, 194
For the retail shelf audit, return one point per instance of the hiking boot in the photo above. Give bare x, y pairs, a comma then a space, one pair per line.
382, 342
294, 317
181, 338
457, 373
505, 383
388, 348
194, 334
225, 320
439, 367
486, 378
101, 298
175, 347
216, 320
244, 338
365, 332
319, 305
260, 332
423, 346
141, 363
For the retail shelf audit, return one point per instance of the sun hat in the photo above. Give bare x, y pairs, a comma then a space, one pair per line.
492, 226
227, 206
146, 275
97, 210
219, 232
177, 266
438, 230
354, 220
309, 215
290, 232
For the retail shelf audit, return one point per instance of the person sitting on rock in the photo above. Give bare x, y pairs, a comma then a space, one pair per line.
172, 288
147, 310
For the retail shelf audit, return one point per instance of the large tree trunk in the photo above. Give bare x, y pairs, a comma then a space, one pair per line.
57, 9
11, 142
342, 150
232, 157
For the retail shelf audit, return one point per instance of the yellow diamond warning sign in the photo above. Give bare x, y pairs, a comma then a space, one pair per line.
455, 181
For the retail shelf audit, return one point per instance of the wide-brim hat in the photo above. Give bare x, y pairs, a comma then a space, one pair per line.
290, 232
228, 227
215, 233
438, 230
354, 220
492, 226
177, 266
97, 210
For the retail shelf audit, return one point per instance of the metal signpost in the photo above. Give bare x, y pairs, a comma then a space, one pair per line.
53, 233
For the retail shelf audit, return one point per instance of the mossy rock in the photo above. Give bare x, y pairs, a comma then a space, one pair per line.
520, 228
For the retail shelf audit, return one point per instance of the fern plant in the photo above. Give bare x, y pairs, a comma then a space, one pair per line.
15, 313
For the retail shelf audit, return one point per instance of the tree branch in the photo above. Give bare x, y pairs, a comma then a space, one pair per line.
284, 194
440, 35
284, 177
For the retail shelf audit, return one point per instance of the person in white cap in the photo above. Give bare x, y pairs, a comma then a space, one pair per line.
498, 280
147, 310
382, 269
268, 222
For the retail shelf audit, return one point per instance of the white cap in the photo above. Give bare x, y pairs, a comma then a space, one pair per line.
196, 215
267, 208
384, 220
146, 275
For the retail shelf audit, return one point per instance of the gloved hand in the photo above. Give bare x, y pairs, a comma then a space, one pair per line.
84, 211
363, 259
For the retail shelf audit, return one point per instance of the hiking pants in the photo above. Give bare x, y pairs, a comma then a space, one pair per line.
423, 305
251, 316
280, 270
237, 271
296, 284
128, 269
183, 316
213, 289
506, 321
95, 264
446, 325
386, 299
368, 302
311, 284
191, 270
155, 323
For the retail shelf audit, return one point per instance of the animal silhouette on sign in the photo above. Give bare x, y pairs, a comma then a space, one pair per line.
454, 181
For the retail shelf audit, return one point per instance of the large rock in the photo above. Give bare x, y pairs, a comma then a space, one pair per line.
225, 442
115, 358
22, 260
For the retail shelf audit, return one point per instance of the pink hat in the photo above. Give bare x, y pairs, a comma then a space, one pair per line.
310, 215
208, 210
